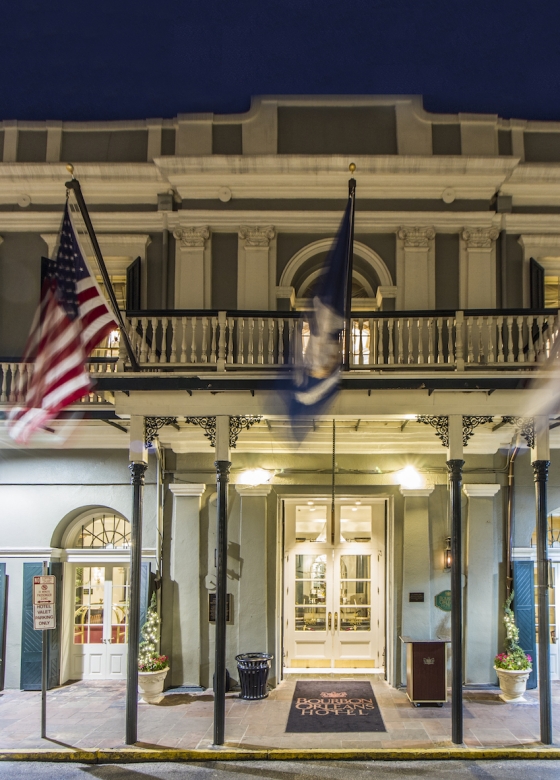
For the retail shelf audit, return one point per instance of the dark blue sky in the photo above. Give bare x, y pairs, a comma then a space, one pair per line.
132, 60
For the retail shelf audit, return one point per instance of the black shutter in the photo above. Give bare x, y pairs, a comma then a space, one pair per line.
524, 611
133, 286
55, 633
3, 611
536, 272
31, 641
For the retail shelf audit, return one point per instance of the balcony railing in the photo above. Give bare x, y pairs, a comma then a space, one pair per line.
459, 341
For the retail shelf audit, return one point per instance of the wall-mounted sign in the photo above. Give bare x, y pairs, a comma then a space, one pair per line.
44, 602
416, 597
443, 600
212, 608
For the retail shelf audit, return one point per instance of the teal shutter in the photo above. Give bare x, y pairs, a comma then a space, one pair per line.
524, 611
3, 611
54, 635
31, 641
145, 592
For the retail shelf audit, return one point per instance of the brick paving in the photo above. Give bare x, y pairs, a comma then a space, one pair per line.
91, 715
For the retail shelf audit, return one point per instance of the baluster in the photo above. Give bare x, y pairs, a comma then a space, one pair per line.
540, 343
430, 340
144, 346
490, 325
450, 348
439, 327
531, 352
400, 345
281, 341
520, 352
193, 340
173, 355
390, 354
370, 341
163, 353
510, 355
134, 337
481, 357
240, 339
380, 351
204, 341
12, 398
251, 323
21, 386
470, 347
213, 340
270, 359
152, 355
230, 323
500, 356
3, 391
410, 337
183, 358
420, 328
260, 359
221, 363
291, 344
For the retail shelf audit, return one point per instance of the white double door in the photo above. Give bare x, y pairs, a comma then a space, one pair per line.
333, 585
100, 622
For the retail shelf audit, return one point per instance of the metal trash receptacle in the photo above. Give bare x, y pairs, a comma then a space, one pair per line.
253, 674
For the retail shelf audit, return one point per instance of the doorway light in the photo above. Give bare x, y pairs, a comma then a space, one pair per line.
254, 477
409, 478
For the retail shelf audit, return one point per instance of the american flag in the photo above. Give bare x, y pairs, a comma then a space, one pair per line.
72, 318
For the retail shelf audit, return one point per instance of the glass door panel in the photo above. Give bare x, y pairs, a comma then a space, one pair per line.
88, 605
119, 606
355, 592
355, 522
310, 592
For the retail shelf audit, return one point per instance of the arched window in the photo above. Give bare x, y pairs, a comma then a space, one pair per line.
104, 531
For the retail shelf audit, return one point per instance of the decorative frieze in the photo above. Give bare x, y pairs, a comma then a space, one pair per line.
256, 236
525, 426
441, 425
479, 238
416, 236
236, 425
192, 237
153, 425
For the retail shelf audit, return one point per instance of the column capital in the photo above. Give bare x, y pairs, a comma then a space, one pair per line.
256, 236
192, 237
192, 490
417, 492
416, 236
479, 238
487, 490
248, 491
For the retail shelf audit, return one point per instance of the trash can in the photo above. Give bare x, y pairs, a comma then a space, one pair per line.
253, 674
426, 671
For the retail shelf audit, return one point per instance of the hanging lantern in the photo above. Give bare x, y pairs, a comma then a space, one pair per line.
447, 554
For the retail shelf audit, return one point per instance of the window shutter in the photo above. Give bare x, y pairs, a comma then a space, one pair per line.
31, 641
54, 634
536, 272
133, 286
3, 610
524, 611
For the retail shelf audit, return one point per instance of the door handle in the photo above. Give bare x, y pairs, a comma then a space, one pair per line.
335, 621
330, 621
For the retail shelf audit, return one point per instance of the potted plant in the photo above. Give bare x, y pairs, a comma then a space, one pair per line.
152, 666
514, 666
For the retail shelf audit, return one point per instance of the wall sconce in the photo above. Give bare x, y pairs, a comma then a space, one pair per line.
409, 478
255, 477
447, 554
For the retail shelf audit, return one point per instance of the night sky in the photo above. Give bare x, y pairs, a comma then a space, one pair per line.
134, 60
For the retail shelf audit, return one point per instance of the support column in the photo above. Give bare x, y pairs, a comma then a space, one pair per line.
256, 282
253, 635
416, 278
540, 463
481, 591
455, 464
138, 465
184, 579
223, 465
193, 263
416, 621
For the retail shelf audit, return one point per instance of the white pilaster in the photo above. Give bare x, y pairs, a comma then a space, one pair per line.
256, 282
194, 135
54, 141
137, 432
222, 438
541, 448
477, 268
193, 268
154, 138
10, 140
455, 434
481, 593
416, 279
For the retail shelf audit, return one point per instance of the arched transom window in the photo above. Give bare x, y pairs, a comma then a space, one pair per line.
104, 532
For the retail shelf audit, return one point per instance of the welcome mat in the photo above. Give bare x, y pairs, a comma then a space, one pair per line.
339, 706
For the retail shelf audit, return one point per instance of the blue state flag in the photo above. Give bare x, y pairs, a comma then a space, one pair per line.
316, 381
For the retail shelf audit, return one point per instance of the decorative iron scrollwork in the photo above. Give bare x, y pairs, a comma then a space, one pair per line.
441, 425
525, 426
153, 425
236, 425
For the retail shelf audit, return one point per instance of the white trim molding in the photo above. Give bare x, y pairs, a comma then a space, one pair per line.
248, 491
192, 490
487, 490
417, 492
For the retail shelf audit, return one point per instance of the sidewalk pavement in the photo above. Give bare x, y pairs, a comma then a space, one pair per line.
90, 715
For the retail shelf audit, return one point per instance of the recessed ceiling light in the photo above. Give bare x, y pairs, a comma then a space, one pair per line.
310, 503
358, 503
354, 509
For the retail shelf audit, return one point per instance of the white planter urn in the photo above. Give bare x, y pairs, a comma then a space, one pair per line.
150, 685
513, 683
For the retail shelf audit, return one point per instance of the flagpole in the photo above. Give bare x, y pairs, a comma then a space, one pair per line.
348, 311
74, 185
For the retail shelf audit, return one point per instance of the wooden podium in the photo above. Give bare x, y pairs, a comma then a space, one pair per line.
426, 671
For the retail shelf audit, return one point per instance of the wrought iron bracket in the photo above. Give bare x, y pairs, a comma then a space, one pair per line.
525, 426
236, 425
153, 425
441, 425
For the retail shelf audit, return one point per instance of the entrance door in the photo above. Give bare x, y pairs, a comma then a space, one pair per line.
334, 584
99, 641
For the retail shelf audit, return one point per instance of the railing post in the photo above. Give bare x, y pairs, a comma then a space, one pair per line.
459, 354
